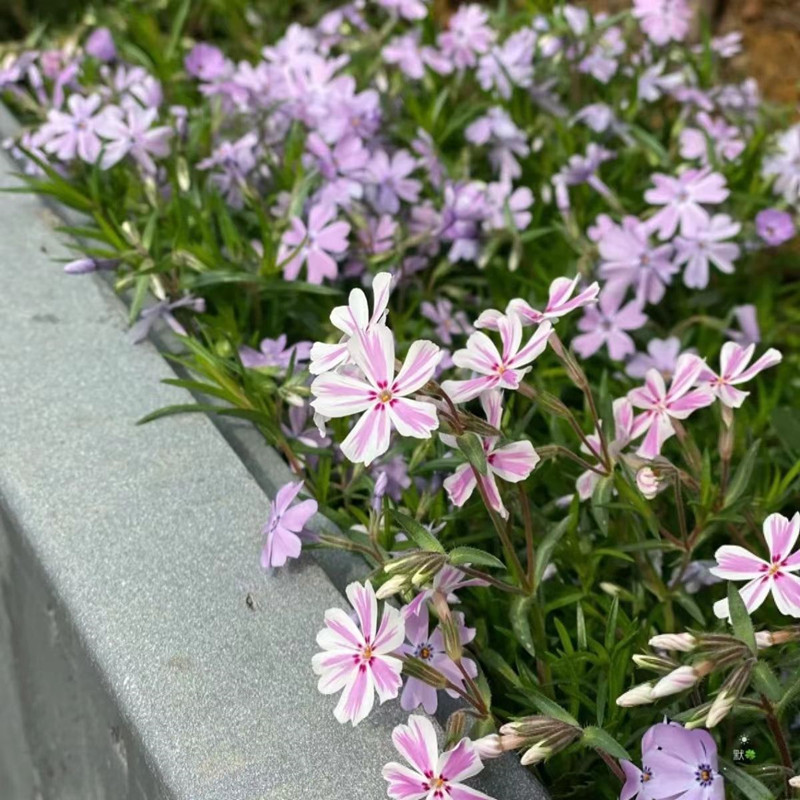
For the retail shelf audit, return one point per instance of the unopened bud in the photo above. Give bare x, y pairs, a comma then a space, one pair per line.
638, 696
681, 642
416, 668
681, 679
394, 585
452, 638
533, 755
730, 692
654, 663
648, 482
795, 782
488, 746
456, 728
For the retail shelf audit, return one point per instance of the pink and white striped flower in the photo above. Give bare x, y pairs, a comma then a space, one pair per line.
379, 396
431, 776
734, 563
359, 660
733, 371
349, 320
662, 405
495, 369
512, 462
559, 302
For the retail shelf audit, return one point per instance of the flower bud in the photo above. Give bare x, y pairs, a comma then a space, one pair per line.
730, 692
416, 668
456, 728
394, 585
680, 679
638, 696
647, 482
655, 663
533, 755
795, 782
488, 746
682, 642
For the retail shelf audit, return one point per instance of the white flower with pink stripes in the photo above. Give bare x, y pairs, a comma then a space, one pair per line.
431, 776
379, 396
733, 371
349, 320
359, 660
512, 462
497, 369
734, 563
662, 405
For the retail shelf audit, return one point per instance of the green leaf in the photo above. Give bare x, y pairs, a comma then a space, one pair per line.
600, 499
787, 426
545, 550
551, 708
740, 618
766, 681
598, 738
741, 478
611, 625
472, 555
418, 533
520, 622
472, 448
750, 787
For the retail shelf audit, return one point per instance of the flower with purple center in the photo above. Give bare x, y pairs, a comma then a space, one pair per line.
285, 526
581, 169
360, 659
607, 324
73, 133
312, 244
431, 776
275, 353
775, 226
734, 563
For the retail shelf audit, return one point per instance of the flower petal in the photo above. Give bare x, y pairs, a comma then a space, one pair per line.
781, 535
753, 594
363, 600
459, 763
357, 698
418, 368
370, 436
338, 395
413, 417
404, 784
734, 563
373, 351
417, 743
514, 462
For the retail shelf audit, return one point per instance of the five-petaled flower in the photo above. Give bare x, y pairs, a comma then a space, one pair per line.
313, 244
733, 370
495, 369
284, 524
734, 563
379, 394
359, 660
662, 405
431, 776
512, 462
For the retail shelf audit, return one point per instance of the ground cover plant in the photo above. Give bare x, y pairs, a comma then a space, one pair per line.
514, 295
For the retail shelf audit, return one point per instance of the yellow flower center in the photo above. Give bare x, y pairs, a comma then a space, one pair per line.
437, 783
774, 569
705, 775
366, 654
385, 396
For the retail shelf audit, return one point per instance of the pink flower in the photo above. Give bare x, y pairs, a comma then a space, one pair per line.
774, 226
707, 246
73, 133
681, 197
734, 563
733, 362
661, 406
467, 37
284, 524
512, 462
359, 660
408, 9
663, 20
315, 242
431, 776
380, 395
428, 646
349, 320
496, 369
725, 139
131, 131
606, 324
560, 302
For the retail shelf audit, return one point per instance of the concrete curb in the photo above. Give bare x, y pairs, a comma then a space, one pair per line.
131, 665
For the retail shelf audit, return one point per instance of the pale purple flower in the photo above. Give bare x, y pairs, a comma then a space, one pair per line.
73, 133
662, 355
681, 198
468, 36
508, 207
630, 260
349, 320
677, 763
100, 45
428, 646
447, 581
135, 85
581, 169
506, 140
774, 226
602, 61
275, 353
597, 116
379, 396
285, 523
446, 321
312, 244
495, 368
207, 63
343, 166
465, 209
408, 9
233, 163
707, 246
696, 576
131, 131
663, 21
404, 51
749, 332
734, 370
359, 659
653, 83
431, 776
425, 148
395, 477
512, 462
661, 405
728, 45
715, 132
734, 563
391, 184
607, 324
85, 265
163, 310
785, 165
508, 65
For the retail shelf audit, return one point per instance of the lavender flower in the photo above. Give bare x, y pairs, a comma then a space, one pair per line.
774, 226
